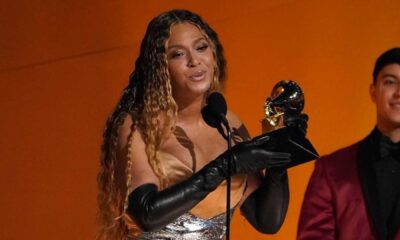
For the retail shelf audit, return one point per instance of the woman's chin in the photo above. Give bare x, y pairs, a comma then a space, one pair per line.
200, 88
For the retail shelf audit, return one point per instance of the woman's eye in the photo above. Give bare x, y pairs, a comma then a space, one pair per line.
176, 54
202, 47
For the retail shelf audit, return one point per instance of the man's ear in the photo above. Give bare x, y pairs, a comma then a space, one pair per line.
372, 90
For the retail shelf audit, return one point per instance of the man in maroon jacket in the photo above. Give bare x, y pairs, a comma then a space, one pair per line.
354, 193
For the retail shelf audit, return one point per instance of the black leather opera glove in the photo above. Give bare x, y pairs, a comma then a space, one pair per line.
298, 121
266, 207
153, 209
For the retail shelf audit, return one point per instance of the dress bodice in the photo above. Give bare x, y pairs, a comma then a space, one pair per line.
176, 171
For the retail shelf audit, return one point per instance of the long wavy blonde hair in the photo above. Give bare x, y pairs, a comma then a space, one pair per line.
147, 94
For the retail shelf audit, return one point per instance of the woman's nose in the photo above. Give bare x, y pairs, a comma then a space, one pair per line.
193, 60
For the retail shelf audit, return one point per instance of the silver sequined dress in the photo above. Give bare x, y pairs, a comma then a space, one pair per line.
189, 227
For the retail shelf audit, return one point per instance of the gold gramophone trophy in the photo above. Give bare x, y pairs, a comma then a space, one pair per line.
287, 99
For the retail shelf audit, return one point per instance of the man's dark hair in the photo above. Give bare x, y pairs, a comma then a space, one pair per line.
388, 57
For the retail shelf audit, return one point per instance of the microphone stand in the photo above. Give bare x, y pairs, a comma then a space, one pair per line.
214, 114
228, 178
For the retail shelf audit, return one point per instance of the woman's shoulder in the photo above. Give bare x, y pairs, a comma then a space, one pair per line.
233, 119
238, 126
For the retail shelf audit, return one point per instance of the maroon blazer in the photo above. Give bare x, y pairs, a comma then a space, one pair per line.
341, 198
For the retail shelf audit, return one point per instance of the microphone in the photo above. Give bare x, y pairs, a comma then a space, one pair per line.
217, 105
214, 113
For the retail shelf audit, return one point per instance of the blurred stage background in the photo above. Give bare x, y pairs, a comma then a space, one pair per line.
63, 65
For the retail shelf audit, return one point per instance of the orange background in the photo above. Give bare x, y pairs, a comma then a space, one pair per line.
63, 65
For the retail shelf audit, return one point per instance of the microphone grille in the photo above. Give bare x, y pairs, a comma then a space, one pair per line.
210, 118
217, 103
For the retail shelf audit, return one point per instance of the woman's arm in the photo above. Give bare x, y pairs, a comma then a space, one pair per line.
266, 207
266, 199
153, 209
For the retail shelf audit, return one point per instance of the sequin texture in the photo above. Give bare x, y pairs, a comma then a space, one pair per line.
189, 227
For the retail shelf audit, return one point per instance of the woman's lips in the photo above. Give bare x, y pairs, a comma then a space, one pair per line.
197, 76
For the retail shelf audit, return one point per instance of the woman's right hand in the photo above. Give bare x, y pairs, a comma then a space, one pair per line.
251, 156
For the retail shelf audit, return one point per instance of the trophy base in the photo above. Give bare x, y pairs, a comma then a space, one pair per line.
292, 141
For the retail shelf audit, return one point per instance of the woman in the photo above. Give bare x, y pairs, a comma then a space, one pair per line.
162, 167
